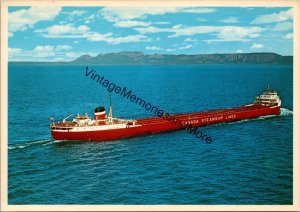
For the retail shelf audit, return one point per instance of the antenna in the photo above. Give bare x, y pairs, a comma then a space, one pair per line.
110, 109
64, 120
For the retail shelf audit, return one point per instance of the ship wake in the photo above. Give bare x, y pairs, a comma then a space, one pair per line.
44, 142
285, 112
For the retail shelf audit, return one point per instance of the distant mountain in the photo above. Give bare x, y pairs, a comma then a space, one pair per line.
138, 58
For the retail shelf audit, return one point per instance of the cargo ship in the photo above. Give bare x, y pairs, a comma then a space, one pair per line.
105, 127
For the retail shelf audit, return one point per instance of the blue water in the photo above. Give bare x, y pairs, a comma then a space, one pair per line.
249, 162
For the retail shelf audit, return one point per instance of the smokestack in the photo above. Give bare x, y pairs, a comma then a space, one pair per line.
99, 113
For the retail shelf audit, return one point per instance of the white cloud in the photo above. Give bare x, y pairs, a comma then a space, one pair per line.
66, 29
127, 39
63, 47
257, 46
23, 19
232, 33
186, 47
230, 20
239, 51
209, 41
94, 36
274, 17
14, 51
188, 31
130, 23
151, 29
283, 26
37, 52
238, 33
83, 31
161, 22
289, 36
44, 51
190, 40
170, 50
126, 16
152, 48
196, 10
89, 18
108, 38
76, 12
178, 26
115, 14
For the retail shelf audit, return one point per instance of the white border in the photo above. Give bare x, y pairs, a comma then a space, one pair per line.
161, 3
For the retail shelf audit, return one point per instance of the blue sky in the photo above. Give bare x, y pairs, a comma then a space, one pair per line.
64, 33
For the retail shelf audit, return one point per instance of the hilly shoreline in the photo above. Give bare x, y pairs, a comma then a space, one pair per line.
139, 58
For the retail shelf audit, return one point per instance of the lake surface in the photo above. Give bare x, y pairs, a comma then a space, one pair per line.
249, 162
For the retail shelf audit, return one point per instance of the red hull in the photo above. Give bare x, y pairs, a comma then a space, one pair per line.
159, 124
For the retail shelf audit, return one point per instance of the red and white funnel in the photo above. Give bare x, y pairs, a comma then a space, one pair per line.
99, 113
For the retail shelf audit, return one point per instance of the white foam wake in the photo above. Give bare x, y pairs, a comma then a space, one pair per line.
285, 112
30, 143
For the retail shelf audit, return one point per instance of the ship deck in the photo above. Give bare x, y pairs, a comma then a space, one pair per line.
155, 120
194, 115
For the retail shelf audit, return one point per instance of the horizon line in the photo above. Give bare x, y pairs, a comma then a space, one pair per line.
145, 54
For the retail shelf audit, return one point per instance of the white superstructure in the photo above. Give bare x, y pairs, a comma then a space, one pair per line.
268, 98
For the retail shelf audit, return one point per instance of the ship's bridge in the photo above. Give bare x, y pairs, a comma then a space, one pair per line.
268, 98
82, 120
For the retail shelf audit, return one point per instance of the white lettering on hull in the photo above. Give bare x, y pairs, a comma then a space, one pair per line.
190, 122
218, 118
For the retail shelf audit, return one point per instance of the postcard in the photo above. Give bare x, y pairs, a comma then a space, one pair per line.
149, 105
